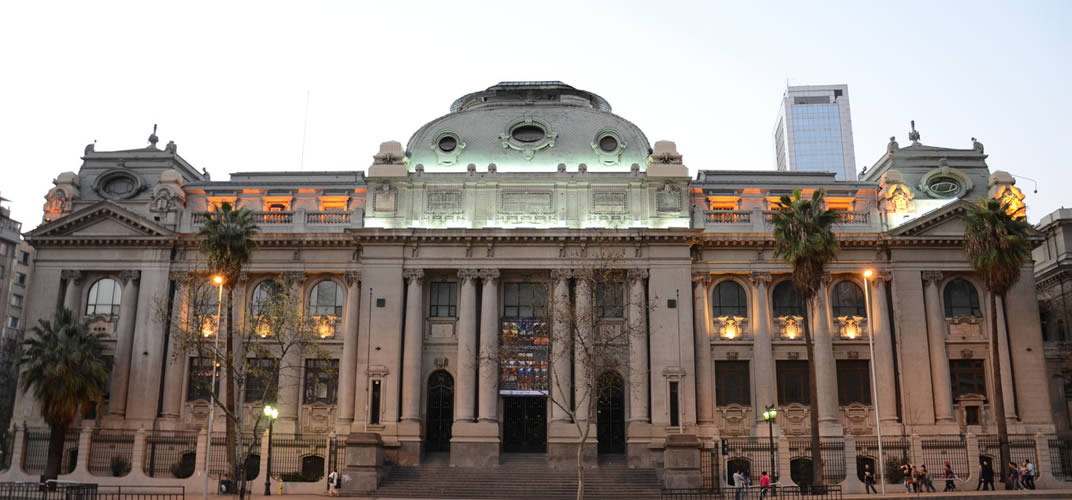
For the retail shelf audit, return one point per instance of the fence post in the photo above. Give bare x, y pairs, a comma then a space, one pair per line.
916, 443
137, 456
973, 457
852, 480
328, 455
1043, 471
785, 477
18, 448
201, 458
85, 440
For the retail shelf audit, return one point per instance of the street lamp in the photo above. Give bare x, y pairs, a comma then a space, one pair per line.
218, 280
272, 414
769, 415
874, 387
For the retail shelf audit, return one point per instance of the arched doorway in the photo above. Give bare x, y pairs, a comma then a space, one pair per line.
610, 413
440, 411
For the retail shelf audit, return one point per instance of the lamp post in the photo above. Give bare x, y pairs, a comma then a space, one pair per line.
874, 383
218, 281
769, 415
272, 414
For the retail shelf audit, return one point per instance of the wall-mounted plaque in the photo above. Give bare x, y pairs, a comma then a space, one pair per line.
526, 202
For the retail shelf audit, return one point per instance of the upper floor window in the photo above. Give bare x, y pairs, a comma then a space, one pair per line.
610, 299
524, 300
792, 382
206, 304
729, 300
444, 300
104, 298
968, 377
12, 322
262, 380
24, 257
786, 300
854, 381
199, 381
321, 381
16, 300
263, 295
326, 299
961, 299
20, 278
732, 384
847, 299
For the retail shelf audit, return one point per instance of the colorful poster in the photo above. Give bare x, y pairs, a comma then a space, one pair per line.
524, 366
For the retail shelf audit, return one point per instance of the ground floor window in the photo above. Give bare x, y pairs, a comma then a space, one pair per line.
199, 382
731, 383
968, 377
793, 382
262, 380
853, 381
321, 381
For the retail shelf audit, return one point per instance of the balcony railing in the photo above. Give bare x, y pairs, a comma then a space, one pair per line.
727, 217
845, 217
10, 225
273, 217
327, 218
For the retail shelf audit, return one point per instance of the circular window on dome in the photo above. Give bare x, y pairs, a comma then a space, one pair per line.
117, 185
528, 133
609, 146
608, 143
947, 187
448, 144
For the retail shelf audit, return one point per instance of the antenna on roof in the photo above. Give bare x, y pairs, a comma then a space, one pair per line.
305, 130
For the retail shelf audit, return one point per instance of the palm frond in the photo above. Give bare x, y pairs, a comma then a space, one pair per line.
997, 244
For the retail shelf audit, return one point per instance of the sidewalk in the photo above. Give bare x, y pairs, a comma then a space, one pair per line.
890, 495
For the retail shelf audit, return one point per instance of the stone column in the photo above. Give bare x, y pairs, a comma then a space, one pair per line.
176, 358
825, 367
414, 333
943, 391
638, 345
348, 363
290, 368
584, 318
560, 343
72, 295
880, 326
465, 378
762, 350
489, 346
128, 307
705, 369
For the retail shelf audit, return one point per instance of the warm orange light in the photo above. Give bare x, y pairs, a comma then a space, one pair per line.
868, 273
217, 279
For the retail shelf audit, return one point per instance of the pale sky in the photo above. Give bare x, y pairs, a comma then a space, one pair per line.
228, 81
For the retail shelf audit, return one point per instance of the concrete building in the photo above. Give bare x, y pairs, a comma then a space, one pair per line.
1053, 279
487, 227
814, 131
16, 270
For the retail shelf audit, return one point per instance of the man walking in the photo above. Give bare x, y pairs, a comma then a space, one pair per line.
764, 485
950, 478
738, 484
988, 475
1029, 478
869, 480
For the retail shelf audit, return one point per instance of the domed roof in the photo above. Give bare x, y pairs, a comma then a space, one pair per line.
529, 127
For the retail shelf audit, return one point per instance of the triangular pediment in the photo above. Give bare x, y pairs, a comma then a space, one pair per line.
944, 222
104, 220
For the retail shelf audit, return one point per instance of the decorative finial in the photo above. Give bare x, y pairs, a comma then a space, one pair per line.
153, 139
976, 145
892, 146
914, 134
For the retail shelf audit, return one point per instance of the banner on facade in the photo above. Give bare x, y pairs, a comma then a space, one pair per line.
523, 358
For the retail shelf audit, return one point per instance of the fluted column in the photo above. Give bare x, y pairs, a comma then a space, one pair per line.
880, 326
762, 350
465, 395
943, 391
583, 317
414, 333
489, 346
638, 346
72, 295
348, 363
291, 364
560, 343
124, 343
705, 370
825, 368
176, 358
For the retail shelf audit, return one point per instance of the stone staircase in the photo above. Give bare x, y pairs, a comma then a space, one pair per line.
519, 477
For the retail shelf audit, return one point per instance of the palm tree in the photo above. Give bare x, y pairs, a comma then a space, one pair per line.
998, 245
803, 238
227, 241
65, 367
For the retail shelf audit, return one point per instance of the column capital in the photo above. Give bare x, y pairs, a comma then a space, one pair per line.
635, 275
880, 276
489, 274
561, 274
760, 278
703, 279
932, 277
129, 276
352, 278
413, 275
180, 276
73, 275
583, 274
827, 278
468, 275
243, 278
294, 278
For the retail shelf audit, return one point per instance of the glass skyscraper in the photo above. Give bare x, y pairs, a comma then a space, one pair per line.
814, 131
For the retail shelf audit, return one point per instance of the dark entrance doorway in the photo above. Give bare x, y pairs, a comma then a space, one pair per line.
610, 413
524, 424
440, 411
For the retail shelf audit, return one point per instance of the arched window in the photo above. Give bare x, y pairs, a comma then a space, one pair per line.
786, 300
263, 295
729, 300
207, 303
104, 298
847, 299
326, 299
961, 299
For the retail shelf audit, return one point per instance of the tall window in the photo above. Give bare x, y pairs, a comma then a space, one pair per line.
321, 381
199, 383
967, 377
263, 295
729, 300
104, 298
961, 299
326, 299
847, 299
444, 300
262, 380
793, 382
16, 300
610, 298
524, 300
206, 302
20, 278
731, 383
853, 382
786, 300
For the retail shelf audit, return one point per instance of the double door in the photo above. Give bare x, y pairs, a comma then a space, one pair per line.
524, 424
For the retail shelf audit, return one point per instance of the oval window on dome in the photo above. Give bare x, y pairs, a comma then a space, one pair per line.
528, 133
448, 144
119, 186
944, 186
608, 144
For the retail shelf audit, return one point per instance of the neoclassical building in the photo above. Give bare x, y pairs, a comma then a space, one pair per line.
483, 226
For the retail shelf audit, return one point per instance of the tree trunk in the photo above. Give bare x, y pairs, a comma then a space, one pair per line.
999, 395
813, 396
56, 437
228, 363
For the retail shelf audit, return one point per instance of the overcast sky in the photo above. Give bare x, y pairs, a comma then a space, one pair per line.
228, 81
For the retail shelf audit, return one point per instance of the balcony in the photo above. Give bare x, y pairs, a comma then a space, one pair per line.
10, 229
296, 221
727, 217
273, 217
846, 217
327, 218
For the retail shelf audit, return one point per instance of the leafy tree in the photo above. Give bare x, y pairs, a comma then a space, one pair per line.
803, 238
998, 244
65, 367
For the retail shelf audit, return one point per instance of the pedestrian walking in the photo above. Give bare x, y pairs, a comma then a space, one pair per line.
1014, 476
738, 485
869, 480
988, 476
916, 486
906, 472
979, 486
764, 485
926, 477
950, 478
1030, 476
333, 483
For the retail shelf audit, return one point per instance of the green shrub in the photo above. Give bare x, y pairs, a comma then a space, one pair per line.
120, 466
298, 477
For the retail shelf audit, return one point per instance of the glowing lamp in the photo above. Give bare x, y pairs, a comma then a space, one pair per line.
326, 327
770, 414
271, 412
208, 327
868, 273
217, 279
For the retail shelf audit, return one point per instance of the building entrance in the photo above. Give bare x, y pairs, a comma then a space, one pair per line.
440, 411
610, 413
524, 424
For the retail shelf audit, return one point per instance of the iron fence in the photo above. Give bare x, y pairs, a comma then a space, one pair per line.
831, 452
57, 491
110, 452
140, 493
709, 468
1020, 448
36, 456
754, 455
938, 452
337, 453
6, 450
896, 451
170, 454
218, 458
297, 457
831, 492
1061, 459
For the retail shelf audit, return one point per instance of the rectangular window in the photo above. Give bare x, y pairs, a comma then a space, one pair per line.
1, 268
321, 381
20, 279
444, 300
610, 298
16, 300
12, 322
793, 382
968, 377
199, 383
675, 419
853, 382
262, 380
24, 257
523, 300
374, 405
731, 383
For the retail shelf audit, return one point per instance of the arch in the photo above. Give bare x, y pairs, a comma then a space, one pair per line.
253, 466
312, 467
785, 300
204, 307
105, 296
439, 417
737, 464
610, 413
326, 299
961, 299
728, 298
800, 472
847, 299
262, 295
861, 461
